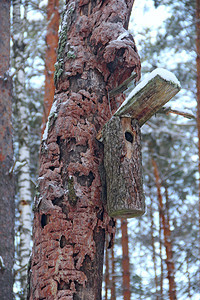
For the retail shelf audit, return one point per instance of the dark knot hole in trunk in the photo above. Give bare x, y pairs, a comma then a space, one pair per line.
129, 137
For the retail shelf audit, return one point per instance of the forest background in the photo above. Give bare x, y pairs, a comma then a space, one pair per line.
164, 32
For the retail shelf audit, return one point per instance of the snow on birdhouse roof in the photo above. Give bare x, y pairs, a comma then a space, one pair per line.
163, 73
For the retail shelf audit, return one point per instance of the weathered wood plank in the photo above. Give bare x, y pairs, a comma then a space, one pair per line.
123, 86
123, 166
146, 99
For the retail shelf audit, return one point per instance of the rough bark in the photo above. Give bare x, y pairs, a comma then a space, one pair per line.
24, 178
6, 160
123, 165
198, 97
70, 218
53, 18
167, 237
125, 261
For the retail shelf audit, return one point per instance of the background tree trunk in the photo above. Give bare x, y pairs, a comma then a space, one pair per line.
24, 178
53, 19
167, 237
6, 160
70, 218
107, 277
113, 285
125, 261
198, 97
161, 256
154, 251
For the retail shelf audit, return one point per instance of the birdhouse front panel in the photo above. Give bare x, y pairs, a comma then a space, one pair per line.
123, 166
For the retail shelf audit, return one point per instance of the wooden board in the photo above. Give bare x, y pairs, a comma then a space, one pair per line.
148, 100
123, 166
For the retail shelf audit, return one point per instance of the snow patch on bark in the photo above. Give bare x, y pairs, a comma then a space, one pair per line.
51, 114
123, 35
2, 266
68, 10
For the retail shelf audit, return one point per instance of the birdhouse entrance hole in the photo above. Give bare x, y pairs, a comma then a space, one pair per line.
129, 137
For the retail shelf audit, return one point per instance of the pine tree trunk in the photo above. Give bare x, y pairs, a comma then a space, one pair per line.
53, 18
154, 251
141, 268
125, 261
198, 97
7, 205
167, 237
70, 217
113, 285
24, 179
107, 279
161, 257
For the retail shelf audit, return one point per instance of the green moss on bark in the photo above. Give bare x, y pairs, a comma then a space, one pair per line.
66, 22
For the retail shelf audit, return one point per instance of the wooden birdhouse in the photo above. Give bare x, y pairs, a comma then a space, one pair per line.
122, 143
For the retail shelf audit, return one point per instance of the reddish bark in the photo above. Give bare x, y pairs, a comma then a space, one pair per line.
70, 217
6, 159
167, 236
125, 261
161, 257
113, 285
154, 251
107, 279
53, 18
198, 95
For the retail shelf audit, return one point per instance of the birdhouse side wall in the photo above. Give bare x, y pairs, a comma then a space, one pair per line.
123, 166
